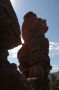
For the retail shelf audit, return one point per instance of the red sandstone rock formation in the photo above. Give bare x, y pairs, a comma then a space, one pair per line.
33, 56
9, 26
10, 77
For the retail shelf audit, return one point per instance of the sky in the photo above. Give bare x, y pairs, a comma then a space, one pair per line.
46, 9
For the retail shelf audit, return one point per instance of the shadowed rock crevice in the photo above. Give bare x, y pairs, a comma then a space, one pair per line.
10, 77
9, 26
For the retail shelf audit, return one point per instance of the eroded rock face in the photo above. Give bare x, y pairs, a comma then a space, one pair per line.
33, 56
10, 77
9, 26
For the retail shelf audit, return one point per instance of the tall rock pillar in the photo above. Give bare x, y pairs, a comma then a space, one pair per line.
34, 54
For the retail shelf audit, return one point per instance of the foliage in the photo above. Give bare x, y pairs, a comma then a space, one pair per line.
53, 82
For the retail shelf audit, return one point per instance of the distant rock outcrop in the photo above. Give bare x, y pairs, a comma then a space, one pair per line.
33, 56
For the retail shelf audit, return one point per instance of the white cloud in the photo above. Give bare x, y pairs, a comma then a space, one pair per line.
13, 55
53, 48
13, 52
55, 68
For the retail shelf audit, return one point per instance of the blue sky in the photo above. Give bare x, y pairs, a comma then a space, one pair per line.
49, 10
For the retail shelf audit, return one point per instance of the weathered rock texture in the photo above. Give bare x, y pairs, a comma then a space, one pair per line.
9, 26
10, 77
33, 56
